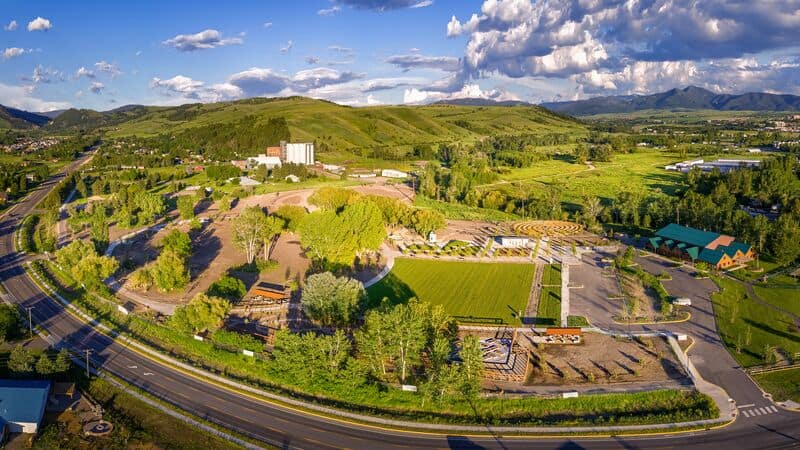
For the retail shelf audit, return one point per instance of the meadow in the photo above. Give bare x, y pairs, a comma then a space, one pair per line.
783, 384
750, 329
470, 292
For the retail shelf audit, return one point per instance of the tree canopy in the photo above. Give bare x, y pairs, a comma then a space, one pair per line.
202, 313
331, 300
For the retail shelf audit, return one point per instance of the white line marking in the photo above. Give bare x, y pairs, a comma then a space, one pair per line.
758, 413
147, 374
772, 409
746, 406
763, 410
746, 413
133, 367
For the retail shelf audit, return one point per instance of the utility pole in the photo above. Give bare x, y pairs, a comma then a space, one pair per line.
30, 320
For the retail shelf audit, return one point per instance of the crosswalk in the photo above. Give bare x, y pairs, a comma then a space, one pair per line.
755, 411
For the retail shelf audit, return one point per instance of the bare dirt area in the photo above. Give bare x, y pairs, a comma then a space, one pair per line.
400, 191
604, 360
465, 230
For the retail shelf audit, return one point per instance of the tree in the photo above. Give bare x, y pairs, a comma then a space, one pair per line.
407, 338
169, 272
179, 242
228, 287
292, 215
471, 356
201, 313
81, 260
44, 366
9, 322
271, 226
63, 362
339, 238
785, 241
423, 221
332, 301
247, 231
20, 362
185, 206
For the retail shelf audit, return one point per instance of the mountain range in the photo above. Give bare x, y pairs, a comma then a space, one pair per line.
689, 98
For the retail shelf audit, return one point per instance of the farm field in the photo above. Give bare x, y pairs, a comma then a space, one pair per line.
470, 292
783, 384
750, 328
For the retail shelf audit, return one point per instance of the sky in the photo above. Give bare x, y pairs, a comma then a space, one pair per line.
102, 55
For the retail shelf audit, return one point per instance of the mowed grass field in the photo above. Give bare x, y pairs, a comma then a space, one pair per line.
783, 384
470, 292
549, 310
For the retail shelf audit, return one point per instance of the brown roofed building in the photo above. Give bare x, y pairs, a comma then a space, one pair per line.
274, 151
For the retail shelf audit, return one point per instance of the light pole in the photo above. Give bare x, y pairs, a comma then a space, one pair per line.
88, 351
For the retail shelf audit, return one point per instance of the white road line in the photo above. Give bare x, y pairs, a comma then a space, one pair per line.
133, 367
763, 410
746, 413
147, 374
772, 409
749, 405
759, 413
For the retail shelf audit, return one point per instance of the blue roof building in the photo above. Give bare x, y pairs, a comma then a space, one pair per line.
719, 250
22, 404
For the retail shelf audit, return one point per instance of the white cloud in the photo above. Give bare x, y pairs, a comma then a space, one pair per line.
20, 97
97, 87
108, 68
188, 88
417, 61
11, 26
340, 49
371, 100
329, 11
422, 4
84, 72
13, 52
416, 96
287, 48
39, 24
267, 25
43, 74
311, 60
203, 40
138, 53
456, 28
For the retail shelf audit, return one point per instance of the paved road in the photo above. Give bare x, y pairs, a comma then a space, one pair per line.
289, 429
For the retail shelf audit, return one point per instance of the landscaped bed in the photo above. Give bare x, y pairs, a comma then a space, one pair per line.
470, 292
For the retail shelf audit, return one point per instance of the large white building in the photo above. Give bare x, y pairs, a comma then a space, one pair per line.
297, 153
263, 160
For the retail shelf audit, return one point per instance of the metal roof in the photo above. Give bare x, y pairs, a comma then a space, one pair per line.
23, 401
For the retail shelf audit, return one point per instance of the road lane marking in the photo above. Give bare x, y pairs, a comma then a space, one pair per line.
749, 405
133, 367
147, 374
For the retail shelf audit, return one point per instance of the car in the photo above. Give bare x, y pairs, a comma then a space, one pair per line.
682, 301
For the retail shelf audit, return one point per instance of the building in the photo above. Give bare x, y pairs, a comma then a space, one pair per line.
22, 404
718, 250
297, 153
274, 151
391, 173
240, 163
248, 182
263, 160
724, 165
270, 291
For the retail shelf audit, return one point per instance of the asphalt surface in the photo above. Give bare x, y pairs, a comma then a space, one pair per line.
286, 428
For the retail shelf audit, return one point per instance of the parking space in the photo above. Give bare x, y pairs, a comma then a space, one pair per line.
595, 290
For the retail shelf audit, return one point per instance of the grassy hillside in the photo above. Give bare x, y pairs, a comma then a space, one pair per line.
343, 127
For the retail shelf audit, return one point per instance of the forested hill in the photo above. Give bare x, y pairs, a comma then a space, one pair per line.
334, 126
687, 98
18, 119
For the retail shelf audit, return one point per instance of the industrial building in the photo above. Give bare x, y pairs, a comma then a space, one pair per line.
22, 404
718, 250
297, 153
724, 165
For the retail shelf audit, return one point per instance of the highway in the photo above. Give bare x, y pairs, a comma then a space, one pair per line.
287, 428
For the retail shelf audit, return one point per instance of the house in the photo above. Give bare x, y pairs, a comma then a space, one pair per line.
297, 153
512, 241
273, 151
22, 404
718, 250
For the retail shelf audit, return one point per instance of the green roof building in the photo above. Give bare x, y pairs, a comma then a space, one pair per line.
719, 250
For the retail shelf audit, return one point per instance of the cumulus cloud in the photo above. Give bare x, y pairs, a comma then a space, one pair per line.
456, 28
385, 5
11, 26
13, 52
38, 24
417, 61
416, 96
188, 88
20, 97
203, 40
97, 87
288, 47
108, 68
45, 75
84, 72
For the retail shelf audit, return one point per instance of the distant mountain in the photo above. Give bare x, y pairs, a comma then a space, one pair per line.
18, 119
691, 97
89, 119
52, 114
481, 102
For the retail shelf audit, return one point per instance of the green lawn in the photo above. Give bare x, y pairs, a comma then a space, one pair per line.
549, 311
783, 384
784, 296
470, 292
737, 313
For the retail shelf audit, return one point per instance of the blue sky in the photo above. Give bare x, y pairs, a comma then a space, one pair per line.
101, 55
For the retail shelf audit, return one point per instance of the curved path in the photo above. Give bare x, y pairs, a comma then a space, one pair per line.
287, 428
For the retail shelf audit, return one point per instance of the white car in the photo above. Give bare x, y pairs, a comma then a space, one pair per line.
682, 302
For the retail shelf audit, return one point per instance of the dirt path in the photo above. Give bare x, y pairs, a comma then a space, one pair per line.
532, 308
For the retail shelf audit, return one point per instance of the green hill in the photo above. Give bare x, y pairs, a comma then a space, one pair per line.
345, 128
11, 118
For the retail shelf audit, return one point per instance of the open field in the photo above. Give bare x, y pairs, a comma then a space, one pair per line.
783, 384
549, 311
470, 292
640, 171
752, 330
784, 296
